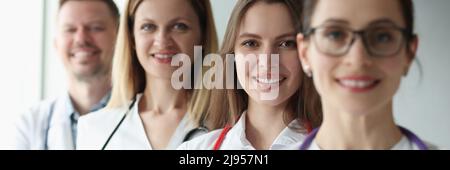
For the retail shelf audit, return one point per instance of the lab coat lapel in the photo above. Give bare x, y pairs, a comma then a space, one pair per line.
180, 133
60, 132
136, 127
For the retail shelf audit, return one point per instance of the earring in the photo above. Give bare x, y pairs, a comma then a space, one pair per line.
307, 70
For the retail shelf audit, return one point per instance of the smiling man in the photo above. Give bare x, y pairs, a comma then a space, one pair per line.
85, 39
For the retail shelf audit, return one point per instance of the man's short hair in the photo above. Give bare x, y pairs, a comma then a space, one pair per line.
110, 3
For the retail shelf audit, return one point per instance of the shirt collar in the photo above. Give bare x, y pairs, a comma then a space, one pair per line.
238, 132
69, 108
73, 114
287, 136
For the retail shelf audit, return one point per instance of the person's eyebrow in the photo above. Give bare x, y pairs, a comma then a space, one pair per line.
249, 35
148, 19
382, 21
336, 21
97, 21
181, 19
286, 35
255, 36
144, 20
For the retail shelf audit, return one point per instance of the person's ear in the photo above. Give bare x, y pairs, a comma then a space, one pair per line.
411, 53
302, 48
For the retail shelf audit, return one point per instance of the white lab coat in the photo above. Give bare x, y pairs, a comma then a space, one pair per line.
44, 126
95, 129
237, 140
50, 125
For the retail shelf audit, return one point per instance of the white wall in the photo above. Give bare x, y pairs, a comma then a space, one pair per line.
424, 105
20, 39
222, 10
54, 78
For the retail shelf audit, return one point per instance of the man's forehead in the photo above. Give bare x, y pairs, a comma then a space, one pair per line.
82, 22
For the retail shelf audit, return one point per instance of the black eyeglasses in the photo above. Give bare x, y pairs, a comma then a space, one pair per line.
379, 41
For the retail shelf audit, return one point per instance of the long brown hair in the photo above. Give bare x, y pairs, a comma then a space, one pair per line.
228, 104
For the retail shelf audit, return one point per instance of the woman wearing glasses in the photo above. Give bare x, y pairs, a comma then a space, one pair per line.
357, 63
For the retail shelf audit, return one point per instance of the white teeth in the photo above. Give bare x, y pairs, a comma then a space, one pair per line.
83, 54
162, 56
357, 83
268, 81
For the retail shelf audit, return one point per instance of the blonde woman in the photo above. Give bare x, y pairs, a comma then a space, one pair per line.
146, 111
262, 123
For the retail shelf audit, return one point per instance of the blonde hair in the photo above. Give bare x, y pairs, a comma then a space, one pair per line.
227, 105
128, 75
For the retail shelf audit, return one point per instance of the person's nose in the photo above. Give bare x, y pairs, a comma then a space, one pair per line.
268, 59
83, 37
358, 55
163, 40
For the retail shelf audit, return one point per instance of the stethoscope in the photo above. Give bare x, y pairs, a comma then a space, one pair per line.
47, 130
411, 137
189, 135
49, 120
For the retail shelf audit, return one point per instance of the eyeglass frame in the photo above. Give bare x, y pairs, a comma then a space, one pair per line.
407, 36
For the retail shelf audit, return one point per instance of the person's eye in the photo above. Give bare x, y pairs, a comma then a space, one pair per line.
288, 44
250, 44
180, 27
335, 35
97, 28
70, 30
384, 37
148, 27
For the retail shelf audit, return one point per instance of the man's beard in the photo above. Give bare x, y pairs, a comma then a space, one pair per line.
98, 72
